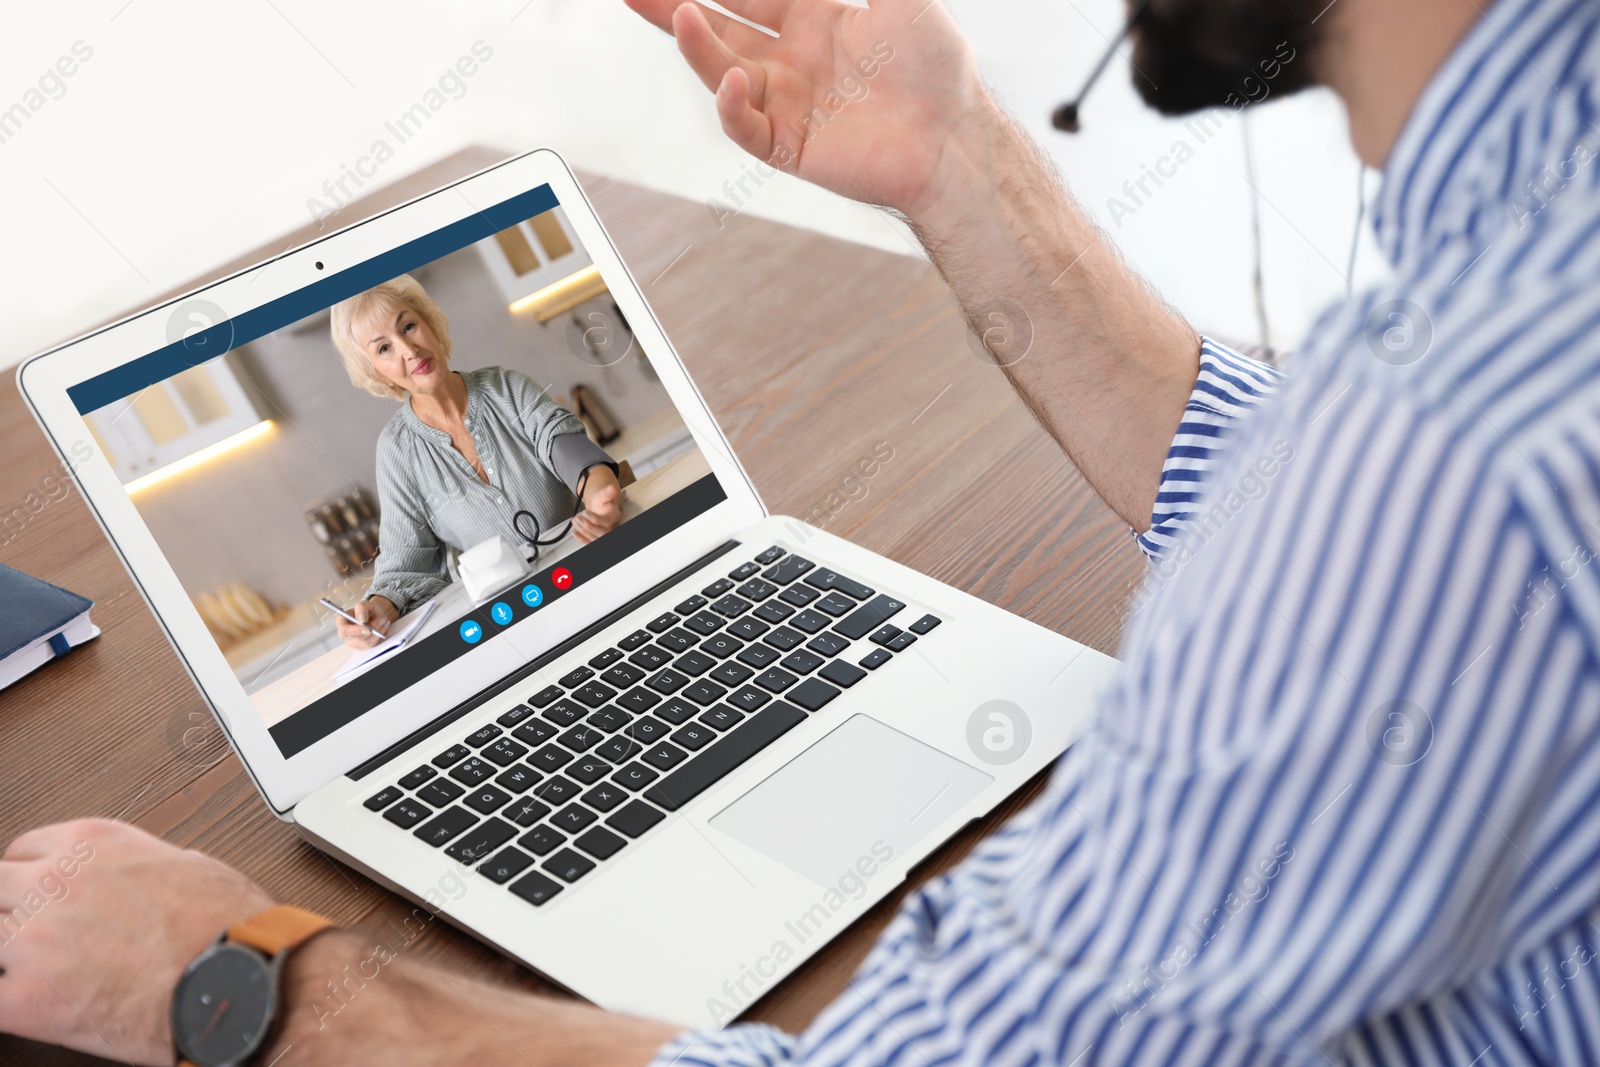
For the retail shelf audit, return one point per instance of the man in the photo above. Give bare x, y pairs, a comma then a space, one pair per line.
1343, 804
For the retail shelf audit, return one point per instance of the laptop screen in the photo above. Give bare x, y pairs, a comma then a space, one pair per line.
411, 434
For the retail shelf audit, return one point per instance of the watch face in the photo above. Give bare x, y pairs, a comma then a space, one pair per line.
223, 1006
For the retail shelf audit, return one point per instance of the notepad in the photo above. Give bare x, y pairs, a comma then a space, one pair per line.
405, 628
38, 622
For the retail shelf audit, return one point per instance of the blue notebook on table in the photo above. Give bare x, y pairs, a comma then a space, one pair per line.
38, 622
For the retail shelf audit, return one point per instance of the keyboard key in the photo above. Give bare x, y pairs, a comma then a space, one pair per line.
810, 621
557, 790
515, 715
541, 840
716, 762
827, 644
662, 623
576, 677
731, 674
451, 756
505, 752
842, 674
634, 640
639, 700
776, 680
748, 628
505, 865
770, 555
588, 770
757, 656
606, 659
648, 658
624, 675
617, 749
609, 719
722, 717
481, 841
417, 777
835, 604
787, 571
903, 642
665, 756
548, 695
704, 623
783, 639
876, 658
565, 712
647, 730
732, 606
748, 698
441, 793
572, 818
743, 571
635, 819
383, 798
802, 662
756, 589
534, 732
690, 606
407, 814
694, 737
473, 771
830, 581
526, 811
885, 634
444, 826
486, 799
773, 611
721, 645
567, 865
550, 759
535, 888
924, 624
668, 681
812, 693
594, 694
694, 664
600, 843
677, 640
635, 776
604, 796
704, 693
581, 738
798, 595
717, 588
677, 711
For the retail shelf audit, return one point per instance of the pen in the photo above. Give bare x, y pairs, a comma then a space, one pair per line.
345, 615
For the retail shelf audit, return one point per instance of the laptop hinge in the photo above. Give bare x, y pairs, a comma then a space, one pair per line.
479, 698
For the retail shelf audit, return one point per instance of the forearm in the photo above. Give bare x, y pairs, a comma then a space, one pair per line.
1110, 366
349, 1002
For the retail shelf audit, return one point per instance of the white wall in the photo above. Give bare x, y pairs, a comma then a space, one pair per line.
198, 130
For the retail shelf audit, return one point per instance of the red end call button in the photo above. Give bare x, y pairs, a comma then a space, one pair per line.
561, 578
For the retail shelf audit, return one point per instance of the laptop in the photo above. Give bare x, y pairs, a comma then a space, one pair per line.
662, 767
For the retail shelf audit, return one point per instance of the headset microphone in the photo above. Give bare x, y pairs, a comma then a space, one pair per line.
1065, 117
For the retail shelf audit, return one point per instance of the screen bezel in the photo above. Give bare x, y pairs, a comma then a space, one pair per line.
45, 379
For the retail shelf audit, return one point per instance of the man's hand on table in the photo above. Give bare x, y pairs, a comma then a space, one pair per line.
110, 916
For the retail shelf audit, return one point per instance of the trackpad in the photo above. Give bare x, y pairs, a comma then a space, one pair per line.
862, 784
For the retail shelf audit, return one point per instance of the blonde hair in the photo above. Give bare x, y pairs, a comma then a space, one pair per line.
402, 292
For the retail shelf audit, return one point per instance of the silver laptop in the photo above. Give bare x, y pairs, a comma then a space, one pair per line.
663, 767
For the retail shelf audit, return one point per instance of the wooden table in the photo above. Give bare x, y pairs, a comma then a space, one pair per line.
810, 350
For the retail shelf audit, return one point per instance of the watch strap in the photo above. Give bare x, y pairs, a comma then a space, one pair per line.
278, 929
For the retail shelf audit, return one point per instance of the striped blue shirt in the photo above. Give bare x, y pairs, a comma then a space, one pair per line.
1344, 804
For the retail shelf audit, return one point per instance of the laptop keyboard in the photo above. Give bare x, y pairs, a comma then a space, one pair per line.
563, 782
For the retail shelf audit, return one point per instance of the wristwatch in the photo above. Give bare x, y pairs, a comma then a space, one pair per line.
226, 1001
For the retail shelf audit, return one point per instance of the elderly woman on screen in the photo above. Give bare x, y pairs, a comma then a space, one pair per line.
463, 454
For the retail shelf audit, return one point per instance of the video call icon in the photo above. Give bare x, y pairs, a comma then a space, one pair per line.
471, 632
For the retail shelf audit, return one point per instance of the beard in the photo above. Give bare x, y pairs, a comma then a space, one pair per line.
1190, 55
